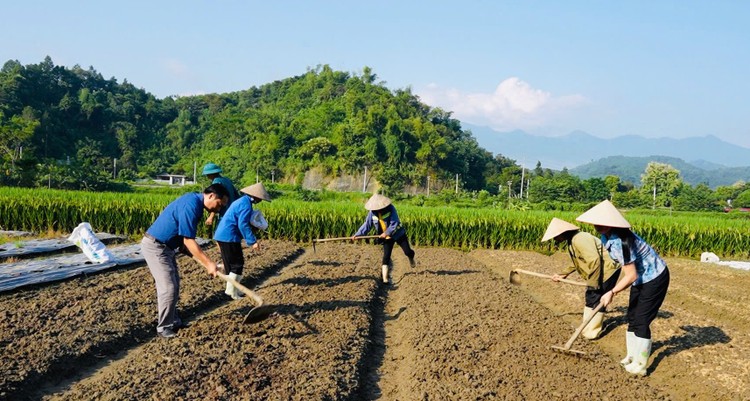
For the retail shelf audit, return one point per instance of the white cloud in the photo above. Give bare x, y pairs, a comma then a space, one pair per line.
176, 68
181, 75
513, 105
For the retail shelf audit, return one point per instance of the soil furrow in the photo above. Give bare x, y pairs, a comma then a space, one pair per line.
49, 332
311, 348
460, 332
701, 335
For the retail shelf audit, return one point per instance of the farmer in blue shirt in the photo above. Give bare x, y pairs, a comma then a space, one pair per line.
382, 215
643, 270
175, 229
213, 173
237, 223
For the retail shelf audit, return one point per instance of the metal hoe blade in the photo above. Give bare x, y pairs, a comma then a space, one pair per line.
258, 314
514, 278
569, 351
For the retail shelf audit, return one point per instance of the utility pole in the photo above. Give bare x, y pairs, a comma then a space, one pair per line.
114, 170
456, 183
509, 191
364, 181
522, 181
273, 175
528, 184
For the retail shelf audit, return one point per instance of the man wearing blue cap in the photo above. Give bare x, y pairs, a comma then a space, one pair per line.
213, 172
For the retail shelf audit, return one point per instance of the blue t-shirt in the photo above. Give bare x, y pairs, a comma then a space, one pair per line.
389, 217
178, 220
235, 224
648, 264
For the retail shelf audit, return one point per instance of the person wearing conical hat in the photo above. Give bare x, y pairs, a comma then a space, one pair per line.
213, 172
591, 262
383, 216
240, 222
643, 270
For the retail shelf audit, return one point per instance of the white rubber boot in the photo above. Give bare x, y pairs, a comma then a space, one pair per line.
384, 268
630, 344
230, 287
594, 328
231, 290
640, 357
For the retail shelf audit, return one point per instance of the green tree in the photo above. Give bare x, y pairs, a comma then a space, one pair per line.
700, 198
595, 190
662, 182
15, 132
631, 199
742, 199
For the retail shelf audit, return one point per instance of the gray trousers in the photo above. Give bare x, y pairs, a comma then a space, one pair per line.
162, 264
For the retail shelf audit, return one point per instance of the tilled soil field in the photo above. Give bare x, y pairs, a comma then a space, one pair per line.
453, 328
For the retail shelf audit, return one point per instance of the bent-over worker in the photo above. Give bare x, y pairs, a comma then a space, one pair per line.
382, 215
175, 229
237, 223
592, 263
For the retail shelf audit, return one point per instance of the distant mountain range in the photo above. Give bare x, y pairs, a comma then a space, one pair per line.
578, 148
631, 168
706, 159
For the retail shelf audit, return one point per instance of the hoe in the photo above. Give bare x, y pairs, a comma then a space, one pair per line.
341, 239
260, 311
566, 348
515, 277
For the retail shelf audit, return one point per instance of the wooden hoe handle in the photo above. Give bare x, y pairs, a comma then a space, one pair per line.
562, 280
257, 299
344, 238
582, 326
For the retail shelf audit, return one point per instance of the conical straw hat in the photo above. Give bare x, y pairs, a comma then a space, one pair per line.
604, 214
377, 202
257, 191
557, 227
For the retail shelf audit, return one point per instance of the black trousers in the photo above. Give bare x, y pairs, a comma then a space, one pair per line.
232, 257
402, 241
645, 301
594, 295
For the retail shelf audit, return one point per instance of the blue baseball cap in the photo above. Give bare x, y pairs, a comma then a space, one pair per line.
211, 168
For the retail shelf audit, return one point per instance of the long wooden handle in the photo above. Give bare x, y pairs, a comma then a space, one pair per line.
344, 238
250, 293
582, 326
562, 280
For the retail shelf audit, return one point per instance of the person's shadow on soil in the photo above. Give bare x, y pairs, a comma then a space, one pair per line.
694, 337
299, 312
619, 317
441, 272
396, 315
307, 281
324, 263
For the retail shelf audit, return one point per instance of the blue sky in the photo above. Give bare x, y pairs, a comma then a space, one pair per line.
609, 68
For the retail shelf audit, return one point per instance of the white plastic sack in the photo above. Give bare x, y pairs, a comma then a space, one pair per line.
84, 238
709, 257
258, 221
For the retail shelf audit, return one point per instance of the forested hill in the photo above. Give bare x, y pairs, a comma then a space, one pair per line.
337, 121
630, 169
